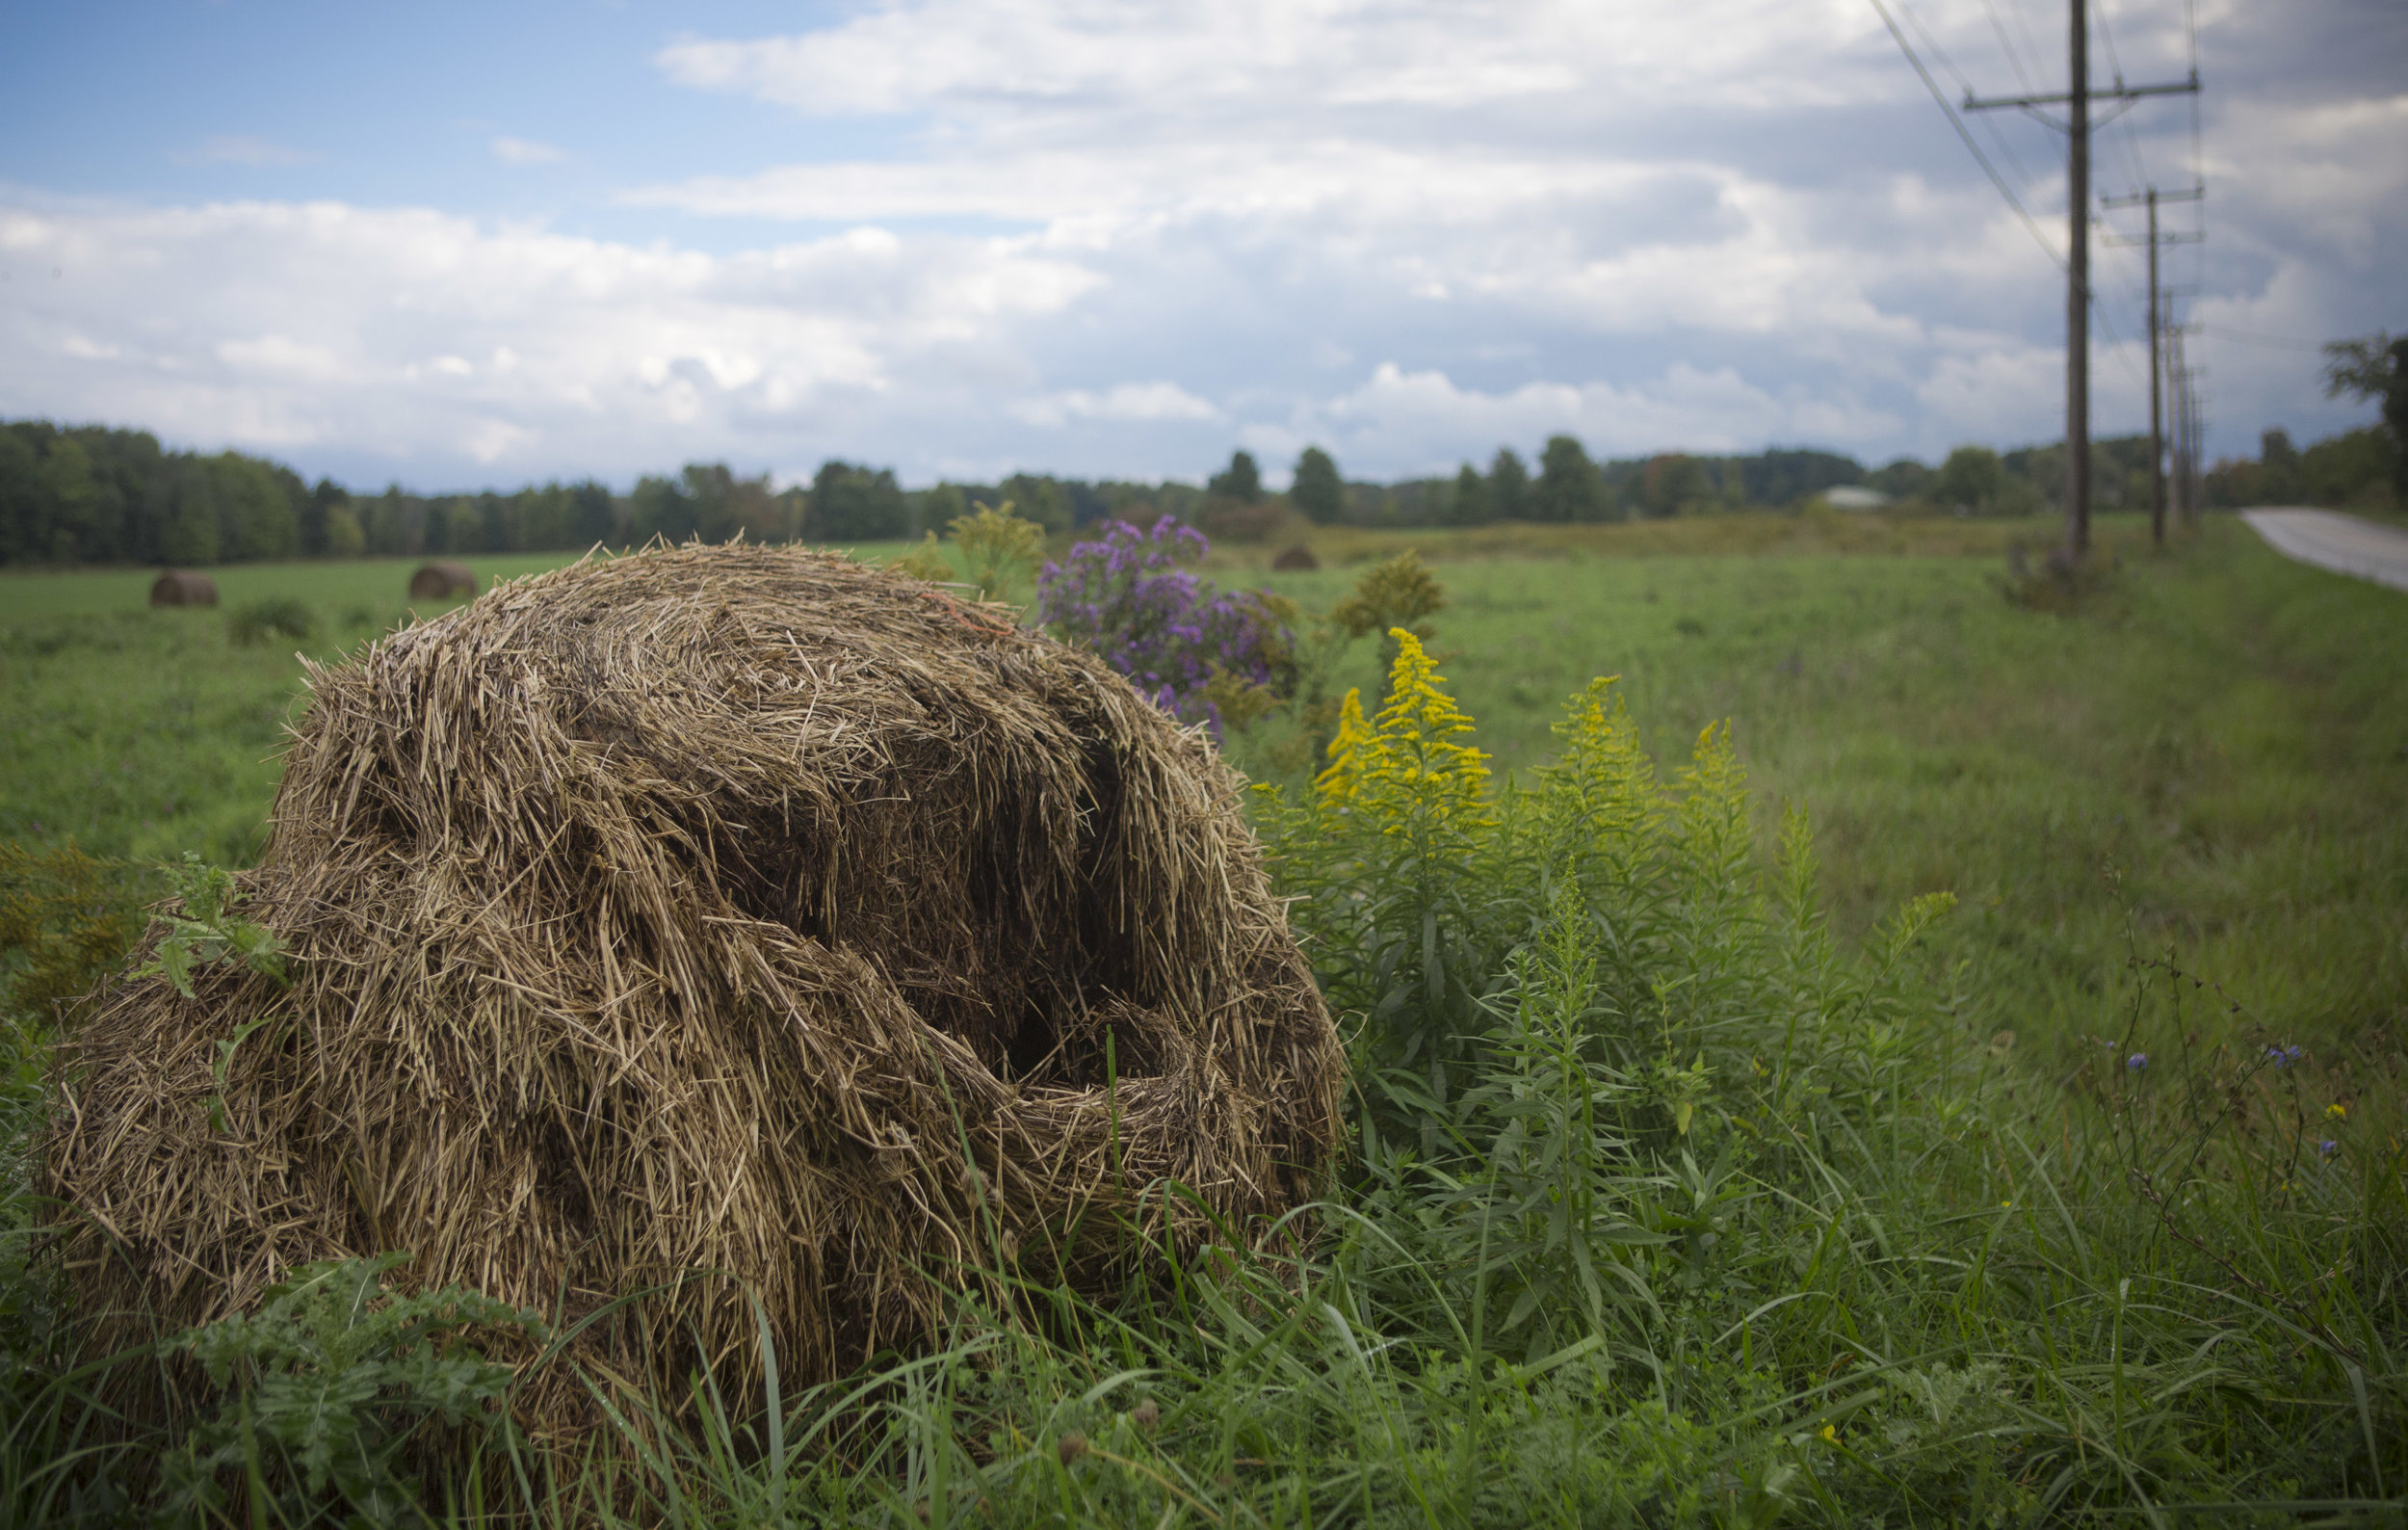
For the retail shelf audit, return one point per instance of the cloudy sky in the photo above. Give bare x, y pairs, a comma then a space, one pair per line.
461, 246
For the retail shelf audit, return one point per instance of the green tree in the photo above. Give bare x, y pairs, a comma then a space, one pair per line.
2281, 479
463, 526
1469, 504
592, 514
1903, 479
711, 488
1673, 482
1318, 492
932, 508
660, 508
1241, 482
1568, 487
191, 534
342, 535
1973, 478
855, 504
22, 516
313, 519
1508, 486
540, 518
2354, 468
74, 496
2375, 367
1040, 500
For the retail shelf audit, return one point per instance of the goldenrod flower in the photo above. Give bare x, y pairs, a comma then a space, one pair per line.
1337, 783
1406, 767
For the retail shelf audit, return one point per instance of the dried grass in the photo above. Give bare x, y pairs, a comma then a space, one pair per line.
179, 587
443, 580
722, 910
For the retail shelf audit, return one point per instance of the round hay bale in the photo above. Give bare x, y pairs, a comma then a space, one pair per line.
1297, 559
178, 587
726, 909
442, 580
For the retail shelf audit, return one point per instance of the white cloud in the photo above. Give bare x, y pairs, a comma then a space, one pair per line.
276, 356
525, 151
1564, 172
969, 57
416, 337
1130, 400
1406, 229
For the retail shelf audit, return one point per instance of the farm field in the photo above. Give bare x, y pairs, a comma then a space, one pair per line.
1961, 1217
2213, 758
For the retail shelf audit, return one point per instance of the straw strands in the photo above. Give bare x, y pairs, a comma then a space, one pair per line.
719, 919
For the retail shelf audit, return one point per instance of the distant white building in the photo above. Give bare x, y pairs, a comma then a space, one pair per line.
1854, 496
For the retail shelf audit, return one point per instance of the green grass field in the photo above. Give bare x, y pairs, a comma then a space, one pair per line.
1940, 1297
2212, 758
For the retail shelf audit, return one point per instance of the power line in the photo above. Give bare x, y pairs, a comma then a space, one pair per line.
2080, 298
2014, 58
1954, 122
2118, 345
2132, 139
2006, 150
2023, 26
2279, 341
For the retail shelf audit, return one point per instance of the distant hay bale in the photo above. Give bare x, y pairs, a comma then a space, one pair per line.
442, 580
179, 587
724, 909
1297, 559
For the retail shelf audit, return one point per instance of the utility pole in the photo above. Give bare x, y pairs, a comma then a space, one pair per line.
2187, 482
2077, 101
2156, 325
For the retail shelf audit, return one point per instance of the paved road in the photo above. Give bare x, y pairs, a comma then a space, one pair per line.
2331, 540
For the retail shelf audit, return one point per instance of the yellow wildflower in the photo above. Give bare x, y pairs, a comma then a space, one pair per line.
1337, 783
2336, 1111
1409, 767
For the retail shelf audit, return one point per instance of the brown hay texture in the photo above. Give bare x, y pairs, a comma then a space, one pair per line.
441, 580
1295, 560
724, 909
179, 587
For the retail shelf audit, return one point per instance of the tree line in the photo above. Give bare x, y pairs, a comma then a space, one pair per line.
2366, 466
91, 494
1568, 486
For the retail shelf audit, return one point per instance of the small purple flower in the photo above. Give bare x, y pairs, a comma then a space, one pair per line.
1128, 597
2137, 1061
2285, 1056
2328, 1146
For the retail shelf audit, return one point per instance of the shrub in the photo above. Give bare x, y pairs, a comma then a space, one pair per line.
1230, 521
925, 560
1165, 626
282, 617
1001, 547
326, 1386
2059, 581
1399, 593
65, 919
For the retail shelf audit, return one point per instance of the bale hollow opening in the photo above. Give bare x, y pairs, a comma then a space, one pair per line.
724, 909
